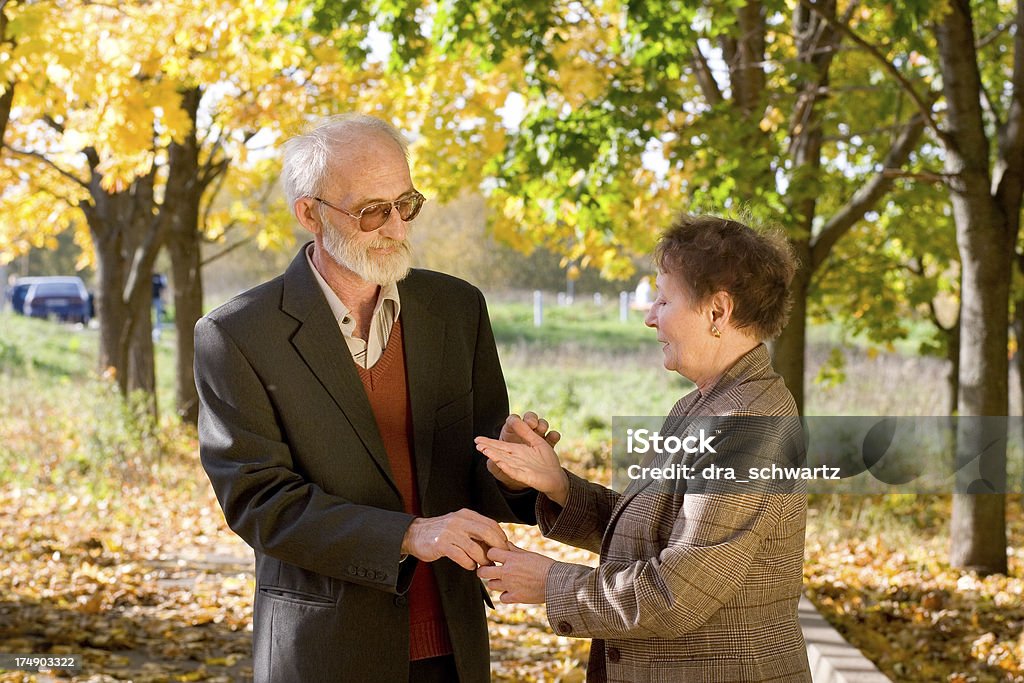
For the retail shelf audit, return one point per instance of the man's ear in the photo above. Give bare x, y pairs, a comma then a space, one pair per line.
306, 212
720, 307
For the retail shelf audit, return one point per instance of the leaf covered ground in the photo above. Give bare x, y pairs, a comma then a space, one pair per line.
150, 585
877, 568
112, 546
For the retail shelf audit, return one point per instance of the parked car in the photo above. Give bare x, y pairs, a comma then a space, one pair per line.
61, 297
17, 293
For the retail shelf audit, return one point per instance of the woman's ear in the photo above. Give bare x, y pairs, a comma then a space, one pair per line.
720, 308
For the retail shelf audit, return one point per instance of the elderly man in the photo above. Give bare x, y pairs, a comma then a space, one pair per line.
339, 403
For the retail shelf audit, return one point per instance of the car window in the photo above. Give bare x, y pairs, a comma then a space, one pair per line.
52, 289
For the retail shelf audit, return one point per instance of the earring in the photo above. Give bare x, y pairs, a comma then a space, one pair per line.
715, 331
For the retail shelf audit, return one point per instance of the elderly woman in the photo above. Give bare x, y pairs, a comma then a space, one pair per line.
698, 582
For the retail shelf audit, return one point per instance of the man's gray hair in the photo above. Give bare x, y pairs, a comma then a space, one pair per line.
307, 156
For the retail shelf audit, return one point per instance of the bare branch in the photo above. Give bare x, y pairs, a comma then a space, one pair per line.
705, 78
922, 105
926, 176
267, 190
864, 134
991, 106
867, 195
213, 195
42, 157
6, 104
227, 250
848, 14
987, 40
211, 170
914, 267
53, 123
117, 7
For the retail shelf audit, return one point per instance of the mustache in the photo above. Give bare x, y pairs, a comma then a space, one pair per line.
388, 243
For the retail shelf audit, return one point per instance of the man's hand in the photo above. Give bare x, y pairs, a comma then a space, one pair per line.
520, 577
463, 536
539, 426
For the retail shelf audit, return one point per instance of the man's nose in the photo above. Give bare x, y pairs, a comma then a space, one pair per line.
650, 319
394, 227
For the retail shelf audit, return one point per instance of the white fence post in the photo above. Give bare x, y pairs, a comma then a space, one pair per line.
538, 308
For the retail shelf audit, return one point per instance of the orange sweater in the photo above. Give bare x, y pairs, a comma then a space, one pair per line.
388, 392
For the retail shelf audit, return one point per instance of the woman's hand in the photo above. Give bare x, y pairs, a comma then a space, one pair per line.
532, 463
539, 426
521, 576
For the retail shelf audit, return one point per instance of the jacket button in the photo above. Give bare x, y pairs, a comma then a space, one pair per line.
352, 570
401, 601
564, 627
613, 655
362, 571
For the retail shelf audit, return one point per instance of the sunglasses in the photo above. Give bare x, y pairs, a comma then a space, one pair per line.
374, 216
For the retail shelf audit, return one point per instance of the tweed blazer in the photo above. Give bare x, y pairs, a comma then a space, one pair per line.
291, 445
697, 580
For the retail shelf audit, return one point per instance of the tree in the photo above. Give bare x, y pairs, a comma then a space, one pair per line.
987, 206
981, 131
144, 139
748, 104
749, 101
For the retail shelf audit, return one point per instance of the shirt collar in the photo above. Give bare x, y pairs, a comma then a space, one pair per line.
341, 312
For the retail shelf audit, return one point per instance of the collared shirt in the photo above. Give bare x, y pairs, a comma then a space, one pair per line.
365, 352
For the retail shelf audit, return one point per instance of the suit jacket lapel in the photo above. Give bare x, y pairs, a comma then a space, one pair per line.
754, 363
321, 345
423, 333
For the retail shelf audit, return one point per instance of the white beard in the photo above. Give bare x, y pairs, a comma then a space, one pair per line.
380, 269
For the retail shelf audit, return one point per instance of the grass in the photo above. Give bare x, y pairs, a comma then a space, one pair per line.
583, 327
63, 423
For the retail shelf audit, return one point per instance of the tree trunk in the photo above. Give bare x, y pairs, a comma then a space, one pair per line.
1018, 333
791, 347
815, 46
7, 97
747, 67
6, 102
953, 357
185, 186
126, 238
978, 524
188, 308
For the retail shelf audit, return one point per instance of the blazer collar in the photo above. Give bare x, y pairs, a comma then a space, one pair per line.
319, 342
754, 363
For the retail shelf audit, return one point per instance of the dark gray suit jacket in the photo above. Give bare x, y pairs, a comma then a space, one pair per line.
290, 443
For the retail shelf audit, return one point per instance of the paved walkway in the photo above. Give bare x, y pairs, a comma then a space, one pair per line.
833, 660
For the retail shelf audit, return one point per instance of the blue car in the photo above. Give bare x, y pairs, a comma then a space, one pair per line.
17, 293
61, 297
